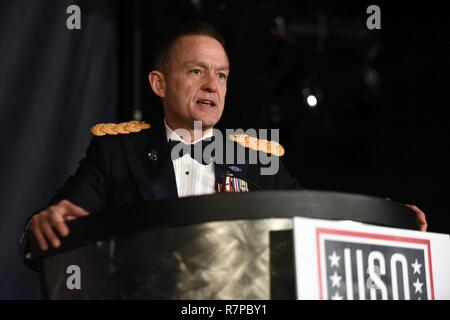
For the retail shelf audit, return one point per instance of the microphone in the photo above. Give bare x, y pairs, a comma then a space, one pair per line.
225, 169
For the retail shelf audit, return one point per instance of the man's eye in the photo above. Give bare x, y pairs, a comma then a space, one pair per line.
222, 76
196, 71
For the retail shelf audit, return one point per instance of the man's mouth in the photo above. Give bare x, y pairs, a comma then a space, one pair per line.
206, 103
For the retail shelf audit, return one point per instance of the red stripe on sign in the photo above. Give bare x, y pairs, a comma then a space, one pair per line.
357, 234
318, 265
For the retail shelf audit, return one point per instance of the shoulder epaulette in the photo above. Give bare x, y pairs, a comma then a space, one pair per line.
256, 144
102, 129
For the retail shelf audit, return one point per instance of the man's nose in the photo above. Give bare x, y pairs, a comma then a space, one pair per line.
210, 83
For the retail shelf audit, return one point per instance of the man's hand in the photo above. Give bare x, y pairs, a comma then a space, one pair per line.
52, 221
420, 215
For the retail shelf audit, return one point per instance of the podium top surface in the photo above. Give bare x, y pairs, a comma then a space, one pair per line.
234, 206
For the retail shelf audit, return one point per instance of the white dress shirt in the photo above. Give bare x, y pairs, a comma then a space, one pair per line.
192, 177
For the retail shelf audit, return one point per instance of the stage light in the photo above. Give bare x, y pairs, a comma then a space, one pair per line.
311, 100
312, 96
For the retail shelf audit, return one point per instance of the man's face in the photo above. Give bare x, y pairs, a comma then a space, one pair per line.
195, 82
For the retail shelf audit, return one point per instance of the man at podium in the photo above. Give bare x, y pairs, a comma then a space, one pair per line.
133, 162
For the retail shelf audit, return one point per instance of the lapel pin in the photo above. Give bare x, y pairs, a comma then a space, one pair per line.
153, 155
235, 169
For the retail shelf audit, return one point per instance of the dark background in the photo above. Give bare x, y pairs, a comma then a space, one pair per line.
380, 127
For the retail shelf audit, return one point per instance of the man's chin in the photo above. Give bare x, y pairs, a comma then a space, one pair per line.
208, 122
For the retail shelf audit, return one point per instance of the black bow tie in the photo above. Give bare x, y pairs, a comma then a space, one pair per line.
183, 149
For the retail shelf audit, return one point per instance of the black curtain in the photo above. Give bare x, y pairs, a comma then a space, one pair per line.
55, 83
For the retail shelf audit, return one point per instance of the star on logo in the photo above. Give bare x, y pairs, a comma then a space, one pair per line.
416, 267
336, 296
334, 259
418, 286
336, 280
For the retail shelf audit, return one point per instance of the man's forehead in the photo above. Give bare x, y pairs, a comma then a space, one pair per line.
205, 64
196, 44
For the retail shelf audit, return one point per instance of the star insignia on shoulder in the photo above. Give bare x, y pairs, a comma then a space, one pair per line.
102, 129
271, 147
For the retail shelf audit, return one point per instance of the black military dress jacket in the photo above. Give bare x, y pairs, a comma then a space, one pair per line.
128, 169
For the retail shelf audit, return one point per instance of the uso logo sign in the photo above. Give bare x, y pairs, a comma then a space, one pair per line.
366, 266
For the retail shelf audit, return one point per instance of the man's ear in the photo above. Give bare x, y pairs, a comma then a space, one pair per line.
156, 79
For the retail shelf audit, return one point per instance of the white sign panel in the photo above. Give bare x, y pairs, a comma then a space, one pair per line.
341, 260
